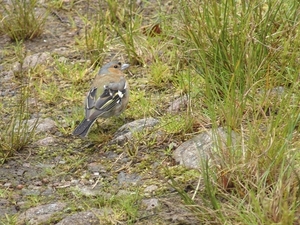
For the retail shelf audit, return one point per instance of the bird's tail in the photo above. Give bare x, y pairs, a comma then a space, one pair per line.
83, 128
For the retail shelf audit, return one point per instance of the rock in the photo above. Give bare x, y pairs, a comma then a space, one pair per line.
111, 155
126, 179
89, 191
44, 125
7, 84
31, 192
45, 141
8, 185
178, 105
40, 214
192, 152
125, 192
6, 208
150, 203
47, 192
91, 217
150, 189
19, 186
125, 132
34, 60
40, 125
96, 167
17, 67
276, 91
7, 76
26, 165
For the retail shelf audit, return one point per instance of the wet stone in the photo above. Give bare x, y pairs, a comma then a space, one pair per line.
150, 203
45, 141
40, 214
91, 217
125, 132
194, 151
128, 179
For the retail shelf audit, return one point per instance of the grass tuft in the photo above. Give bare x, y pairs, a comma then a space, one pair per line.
20, 21
17, 131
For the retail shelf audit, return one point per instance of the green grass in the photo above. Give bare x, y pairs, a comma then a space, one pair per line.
20, 21
240, 51
238, 64
18, 132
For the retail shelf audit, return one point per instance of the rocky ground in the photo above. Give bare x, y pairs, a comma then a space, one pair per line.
160, 162
59, 179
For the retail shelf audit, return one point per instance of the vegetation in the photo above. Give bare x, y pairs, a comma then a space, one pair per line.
237, 62
20, 21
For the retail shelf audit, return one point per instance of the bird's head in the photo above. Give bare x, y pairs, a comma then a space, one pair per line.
113, 67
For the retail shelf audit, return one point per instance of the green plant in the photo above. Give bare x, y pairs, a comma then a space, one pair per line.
9, 220
17, 131
159, 75
234, 51
239, 51
20, 21
175, 124
61, 4
96, 38
127, 25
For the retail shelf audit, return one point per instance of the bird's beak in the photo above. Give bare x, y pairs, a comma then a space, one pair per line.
124, 66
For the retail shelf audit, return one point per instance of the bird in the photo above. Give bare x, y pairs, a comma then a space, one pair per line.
107, 97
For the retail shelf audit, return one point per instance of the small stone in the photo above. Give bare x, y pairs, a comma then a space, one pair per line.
45, 125
95, 167
45, 141
178, 105
125, 132
38, 183
27, 165
84, 181
125, 192
7, 185
17, 67
74, 182
40, 125
87, 191
91, 217
28, 192
20, 172
45, 181
20, 186
126, 179
47, 192
150, 203
150, 188
34, 60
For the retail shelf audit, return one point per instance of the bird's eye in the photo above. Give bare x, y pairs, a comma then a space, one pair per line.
115, 66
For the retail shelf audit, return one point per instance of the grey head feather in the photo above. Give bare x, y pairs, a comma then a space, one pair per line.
104, 68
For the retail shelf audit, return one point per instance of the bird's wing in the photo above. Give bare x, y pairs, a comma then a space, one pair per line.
90, 98
111, 96
90, 102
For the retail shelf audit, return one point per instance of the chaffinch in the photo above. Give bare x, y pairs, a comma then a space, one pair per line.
108, 96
